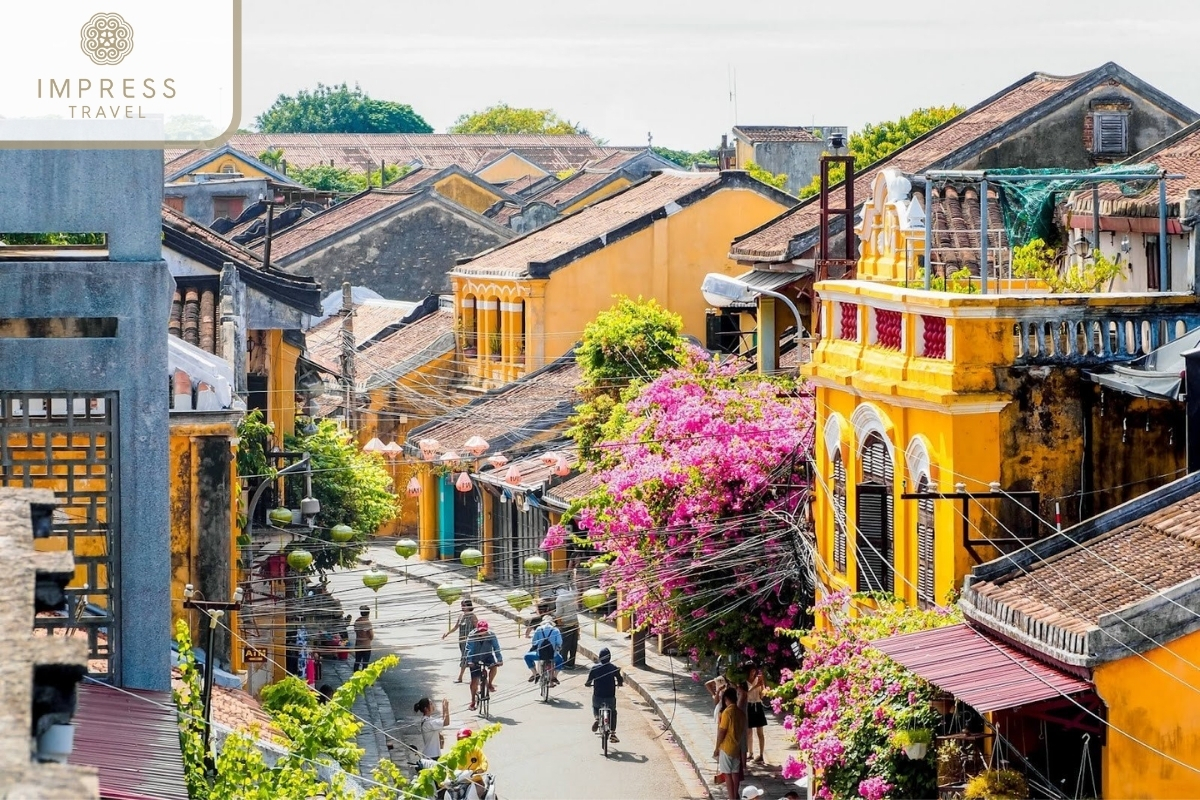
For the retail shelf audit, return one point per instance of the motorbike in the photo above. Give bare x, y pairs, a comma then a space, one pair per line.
463, 785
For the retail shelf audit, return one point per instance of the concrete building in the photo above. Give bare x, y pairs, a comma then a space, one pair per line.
82, 365
791, 150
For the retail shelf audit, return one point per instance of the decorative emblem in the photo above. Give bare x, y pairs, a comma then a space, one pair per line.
106, 39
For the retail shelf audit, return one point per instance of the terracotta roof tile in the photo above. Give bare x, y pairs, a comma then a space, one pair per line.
504, 214
184, 160
534, 474
571, 189
576, 487
323, 341
186, 225
408, 347
775, 133
569, 233
412, 180
526, 410
332, 221
615, 160
528, 185
956, 226
771, 241
1178, 154
194, 315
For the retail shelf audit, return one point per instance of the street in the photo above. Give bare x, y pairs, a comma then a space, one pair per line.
543, 751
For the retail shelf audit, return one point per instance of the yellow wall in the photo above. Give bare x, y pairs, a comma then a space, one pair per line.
239, 166
598, 193
743, 153
281, 384
509, 168
465, 193
1145, 703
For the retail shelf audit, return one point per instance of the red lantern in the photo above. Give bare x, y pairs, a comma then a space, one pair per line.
497, 461
429, 448
513, 476
476, 446
464, 483
561, 467
414, 487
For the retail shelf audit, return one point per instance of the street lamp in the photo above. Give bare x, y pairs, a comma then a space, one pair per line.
215, 610
721, 291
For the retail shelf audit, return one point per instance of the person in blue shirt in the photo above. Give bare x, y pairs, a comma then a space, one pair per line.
604, 678
483, 650
547, 648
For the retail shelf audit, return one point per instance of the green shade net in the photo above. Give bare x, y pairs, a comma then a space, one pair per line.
1028, 205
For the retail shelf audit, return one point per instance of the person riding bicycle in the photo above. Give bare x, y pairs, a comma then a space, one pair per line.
604, 678
547, 649
483, 650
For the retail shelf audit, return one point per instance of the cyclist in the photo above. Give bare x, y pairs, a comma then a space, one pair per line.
604, 678
483, 650
546, 648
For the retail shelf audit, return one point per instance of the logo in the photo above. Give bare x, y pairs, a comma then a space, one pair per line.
106, 39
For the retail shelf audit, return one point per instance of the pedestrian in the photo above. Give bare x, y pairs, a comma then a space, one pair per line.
743, 695
546, 648
749, 792
756, 714
483, 651
431, 727
566, 608
604, 678
364, 635
465, 624
326, 692
716, 687
728, 749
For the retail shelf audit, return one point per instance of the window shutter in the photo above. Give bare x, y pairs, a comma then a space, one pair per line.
869, 553
1110, 133
839, 514
878, 475
925, 548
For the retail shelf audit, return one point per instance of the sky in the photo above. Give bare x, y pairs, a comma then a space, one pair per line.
666, 67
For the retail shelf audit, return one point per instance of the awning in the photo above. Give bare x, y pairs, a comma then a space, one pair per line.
983, 672
1157, 375
770, 279
132, 738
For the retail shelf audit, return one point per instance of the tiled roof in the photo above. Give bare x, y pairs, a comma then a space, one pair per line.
333, 221
528, 409
502, 213
574, 488
235, 253
323, 341
956, 228
362, 150
534, 474
615, 160
529, 185
775, 133
415, 344
412, 180
1177, 154
771, 241
194, 314
235, 709
571, 189
184, 160
560, 238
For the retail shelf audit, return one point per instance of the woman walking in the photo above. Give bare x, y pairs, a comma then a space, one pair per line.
466, 623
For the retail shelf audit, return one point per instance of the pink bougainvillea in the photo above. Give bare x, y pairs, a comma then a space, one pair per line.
699, 507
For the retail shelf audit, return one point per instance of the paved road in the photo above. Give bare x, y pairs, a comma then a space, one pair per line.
544, 752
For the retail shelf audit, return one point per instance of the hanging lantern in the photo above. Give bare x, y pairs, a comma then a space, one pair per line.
374, 446
393, 451
513, 476
561, 467
406, 548
341, 533
519, 599
597, 568
470, 557
448, 593
299, 560
449, 457
497, 461
593, 599
548, 458
536, 565
429, 448
375, 580
476, 446
280, 516
464, 483
414, 487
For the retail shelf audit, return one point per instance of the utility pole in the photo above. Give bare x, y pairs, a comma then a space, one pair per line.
214, 610
348, 350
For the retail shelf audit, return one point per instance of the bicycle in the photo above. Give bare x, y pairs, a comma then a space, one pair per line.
544, 680
483, 698
605, 728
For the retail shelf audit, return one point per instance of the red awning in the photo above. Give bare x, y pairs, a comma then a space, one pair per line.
983, 672
132, 737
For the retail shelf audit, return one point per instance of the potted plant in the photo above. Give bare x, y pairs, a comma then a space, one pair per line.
494, 341
913, 741
952, 757
997, 784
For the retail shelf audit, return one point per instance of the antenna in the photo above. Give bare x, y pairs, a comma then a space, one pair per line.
733, 91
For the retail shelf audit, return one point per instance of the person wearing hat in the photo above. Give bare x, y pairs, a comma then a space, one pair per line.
749, 792
466, 624
483, 650
546, 647
364, 635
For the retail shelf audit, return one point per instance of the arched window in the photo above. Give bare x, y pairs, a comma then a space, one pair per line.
874, 541
839, 513
470, 322
925, 546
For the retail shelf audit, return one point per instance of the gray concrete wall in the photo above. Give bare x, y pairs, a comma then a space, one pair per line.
800, 161
198, 197
118, 192
404, 257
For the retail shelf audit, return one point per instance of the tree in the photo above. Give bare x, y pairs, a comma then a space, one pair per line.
339, 109
503, 118
328, 178
685, 158
765, 176
879, 140
631, 342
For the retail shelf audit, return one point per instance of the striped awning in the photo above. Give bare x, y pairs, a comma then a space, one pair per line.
980, 670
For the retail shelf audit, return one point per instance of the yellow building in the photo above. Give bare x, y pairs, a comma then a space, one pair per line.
525, 303
455, 184
939, 395
1082, 651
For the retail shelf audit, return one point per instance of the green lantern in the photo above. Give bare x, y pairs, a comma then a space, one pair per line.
536, 565
597, 568
280, 516
519, 599
375, 579
471, 557
406, 549
448, 593
299, 560
593, 599
341, 533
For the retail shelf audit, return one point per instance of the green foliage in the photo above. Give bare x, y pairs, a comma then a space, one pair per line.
354, 489
291, 691
879, 140
685, 158
456, 758
503, 119
960, 282
190, 702
1039, 261
566, 173
55, 239
272, 157
908, 736
328, 178
629, 343
339, 109
760, 174
254, 437
997, 784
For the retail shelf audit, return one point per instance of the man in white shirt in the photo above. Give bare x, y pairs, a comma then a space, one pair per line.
566, 608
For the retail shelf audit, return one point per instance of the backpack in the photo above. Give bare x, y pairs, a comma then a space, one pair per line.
545, 649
